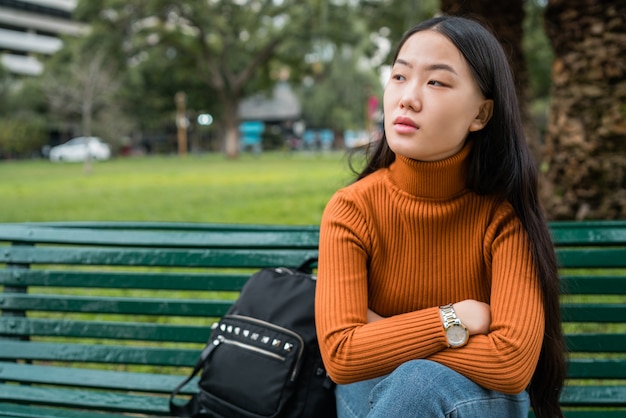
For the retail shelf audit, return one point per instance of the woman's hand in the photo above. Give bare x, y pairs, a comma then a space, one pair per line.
475, 315
373, 316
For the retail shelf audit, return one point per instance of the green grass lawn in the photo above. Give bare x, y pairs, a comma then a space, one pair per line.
272, 188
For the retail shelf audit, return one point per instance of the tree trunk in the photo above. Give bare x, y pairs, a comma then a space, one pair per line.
506, 19
585, 144
231, 126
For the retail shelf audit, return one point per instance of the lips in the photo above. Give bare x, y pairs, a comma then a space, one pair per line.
402, 120
403, 124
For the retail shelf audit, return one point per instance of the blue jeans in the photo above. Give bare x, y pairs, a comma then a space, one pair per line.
426, 389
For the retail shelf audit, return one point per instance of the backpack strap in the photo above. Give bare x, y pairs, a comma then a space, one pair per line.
191, 408
308, 265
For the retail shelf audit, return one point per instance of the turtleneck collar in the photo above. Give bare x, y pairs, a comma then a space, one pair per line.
431, 179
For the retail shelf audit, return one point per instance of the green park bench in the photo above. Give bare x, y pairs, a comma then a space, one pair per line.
105, 319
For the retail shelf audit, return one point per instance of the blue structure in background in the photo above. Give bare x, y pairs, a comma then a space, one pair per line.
251, 133
318, 139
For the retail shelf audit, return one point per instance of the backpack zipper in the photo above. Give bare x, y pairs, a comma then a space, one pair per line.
223, 340
278, 328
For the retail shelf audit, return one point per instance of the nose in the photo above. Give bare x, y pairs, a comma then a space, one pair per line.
411, 99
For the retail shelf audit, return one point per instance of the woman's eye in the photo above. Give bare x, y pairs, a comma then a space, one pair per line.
398, 77
436, 83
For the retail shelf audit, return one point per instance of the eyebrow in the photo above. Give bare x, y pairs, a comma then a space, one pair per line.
431, 67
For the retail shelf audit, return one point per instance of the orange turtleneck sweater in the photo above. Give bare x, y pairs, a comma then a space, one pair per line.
404, 241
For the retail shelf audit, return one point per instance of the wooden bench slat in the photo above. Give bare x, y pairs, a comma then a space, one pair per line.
123, 280
591, 257
588, 232
203, 308
85, 399
596, 343
597, 369
594, 395
169, 226
16, 326
594, 284
571, 284
98, 353
154, 257
12, 410
90, 378
563, 232
115, 305
593, 312
183, 239
592, 413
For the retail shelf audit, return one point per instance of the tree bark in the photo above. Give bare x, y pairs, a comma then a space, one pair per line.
585, 146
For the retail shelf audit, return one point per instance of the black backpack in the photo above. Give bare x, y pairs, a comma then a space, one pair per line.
262, 359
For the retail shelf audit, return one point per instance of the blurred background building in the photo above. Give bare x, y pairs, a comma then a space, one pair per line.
30, 29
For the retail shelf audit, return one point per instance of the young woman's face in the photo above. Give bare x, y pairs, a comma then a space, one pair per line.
431, 101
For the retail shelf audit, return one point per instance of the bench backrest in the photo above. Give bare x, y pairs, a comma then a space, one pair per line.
144, 295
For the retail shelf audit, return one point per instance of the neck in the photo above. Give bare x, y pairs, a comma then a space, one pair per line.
431, 179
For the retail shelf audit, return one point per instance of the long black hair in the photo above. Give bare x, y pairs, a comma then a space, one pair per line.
500, 164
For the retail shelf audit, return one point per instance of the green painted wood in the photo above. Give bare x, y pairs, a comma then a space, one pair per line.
168, 226
154, 257
563, 232
115, 305
589, 232
29, 411
613, 395
590, 413
90, 378
593, 312
601, 284
163, 383
124, 280
16, 326
596, 343
98, 353
589, 257
286, 239
85, 399
597, 368
591, 246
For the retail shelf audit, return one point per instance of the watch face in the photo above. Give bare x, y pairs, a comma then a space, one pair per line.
457, 335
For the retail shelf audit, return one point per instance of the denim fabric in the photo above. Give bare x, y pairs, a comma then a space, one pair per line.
426, 389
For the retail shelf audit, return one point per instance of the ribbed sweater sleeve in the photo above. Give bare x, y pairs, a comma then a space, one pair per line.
404, 249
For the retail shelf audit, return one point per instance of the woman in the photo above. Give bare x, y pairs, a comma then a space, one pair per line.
437, 288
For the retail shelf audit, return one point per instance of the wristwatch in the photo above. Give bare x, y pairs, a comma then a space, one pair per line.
455, 330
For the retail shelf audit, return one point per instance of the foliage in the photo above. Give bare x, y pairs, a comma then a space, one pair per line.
5, 90
387, 20
337, 98
232, 48
22, 135
81, 87
537, 50
151, 70
221, 51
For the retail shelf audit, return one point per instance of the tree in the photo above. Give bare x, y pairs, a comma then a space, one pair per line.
337, 97
80, 84
389, 19
81, 88
234, 47
585, 144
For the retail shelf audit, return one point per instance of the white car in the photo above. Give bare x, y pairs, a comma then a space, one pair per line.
77, 149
